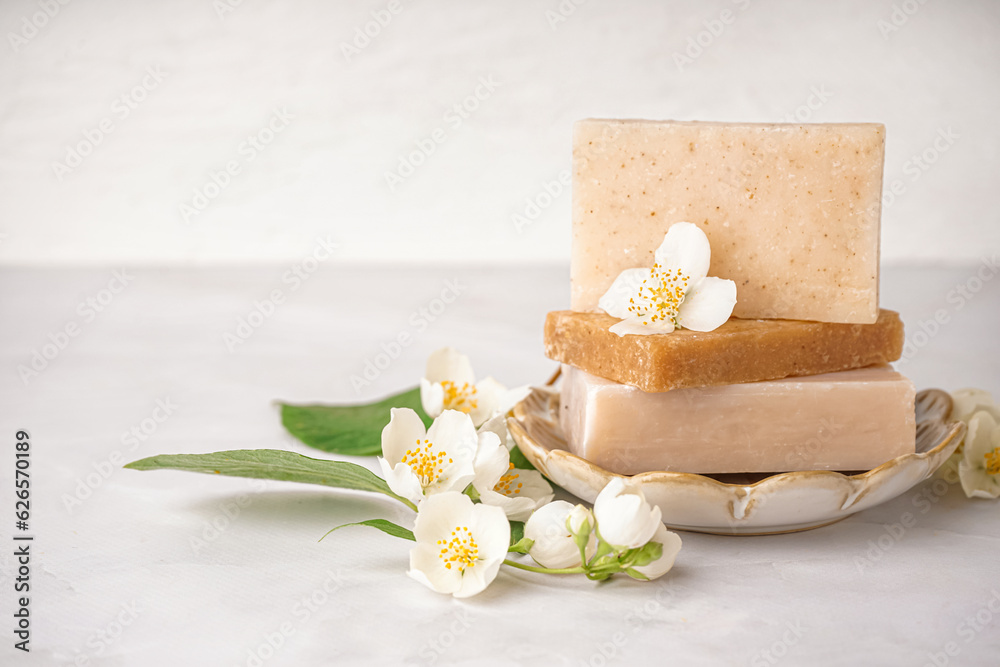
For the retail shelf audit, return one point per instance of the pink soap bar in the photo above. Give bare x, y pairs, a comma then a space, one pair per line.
851, 420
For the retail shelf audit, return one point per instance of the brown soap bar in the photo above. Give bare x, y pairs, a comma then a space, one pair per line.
738, 351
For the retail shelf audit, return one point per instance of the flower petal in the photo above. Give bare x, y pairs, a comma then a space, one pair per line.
615, 301
967, 402
491, 529
624, 517
708, 305
492, 461
976, 482
981, 440
979, 437
685, 248
489, 394
451, 365
453, 433
516, 509
498, 426
529, 491
427, 568
402, 481
553, 545
671, 547
438, 515
431, 397
634, 326
453, 430
400, 434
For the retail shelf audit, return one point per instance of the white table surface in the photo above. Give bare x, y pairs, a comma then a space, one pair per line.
117, 580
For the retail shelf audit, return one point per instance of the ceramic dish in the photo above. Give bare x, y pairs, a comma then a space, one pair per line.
743, 504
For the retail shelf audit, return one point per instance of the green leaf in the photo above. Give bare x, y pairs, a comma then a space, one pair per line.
516, 531
520, 460
644, 555
387, 527
522, 546
273, 464
355, 430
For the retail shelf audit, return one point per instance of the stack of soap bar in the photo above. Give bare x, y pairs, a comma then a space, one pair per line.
792, 211
738, 351
852, 420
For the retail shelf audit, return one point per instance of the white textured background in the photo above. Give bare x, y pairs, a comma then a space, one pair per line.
226, 71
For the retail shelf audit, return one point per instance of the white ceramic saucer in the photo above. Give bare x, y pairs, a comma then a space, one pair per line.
743, 504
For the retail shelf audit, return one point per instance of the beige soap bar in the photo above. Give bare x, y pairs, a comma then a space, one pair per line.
792, 211
851, 420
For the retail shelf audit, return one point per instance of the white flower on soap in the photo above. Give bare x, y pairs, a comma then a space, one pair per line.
460, 545
552, 530
676, 293
417, 462
979, 469
625, 519
517, 492
449, 384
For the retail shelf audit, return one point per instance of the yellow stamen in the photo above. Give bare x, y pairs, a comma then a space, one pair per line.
504, 485
993, 462
459, 397
661, 300
461, 550
426, 464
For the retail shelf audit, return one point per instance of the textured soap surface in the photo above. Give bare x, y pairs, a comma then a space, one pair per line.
738, 351
852, 420
792, 211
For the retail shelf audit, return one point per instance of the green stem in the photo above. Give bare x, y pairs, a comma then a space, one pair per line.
545, 570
